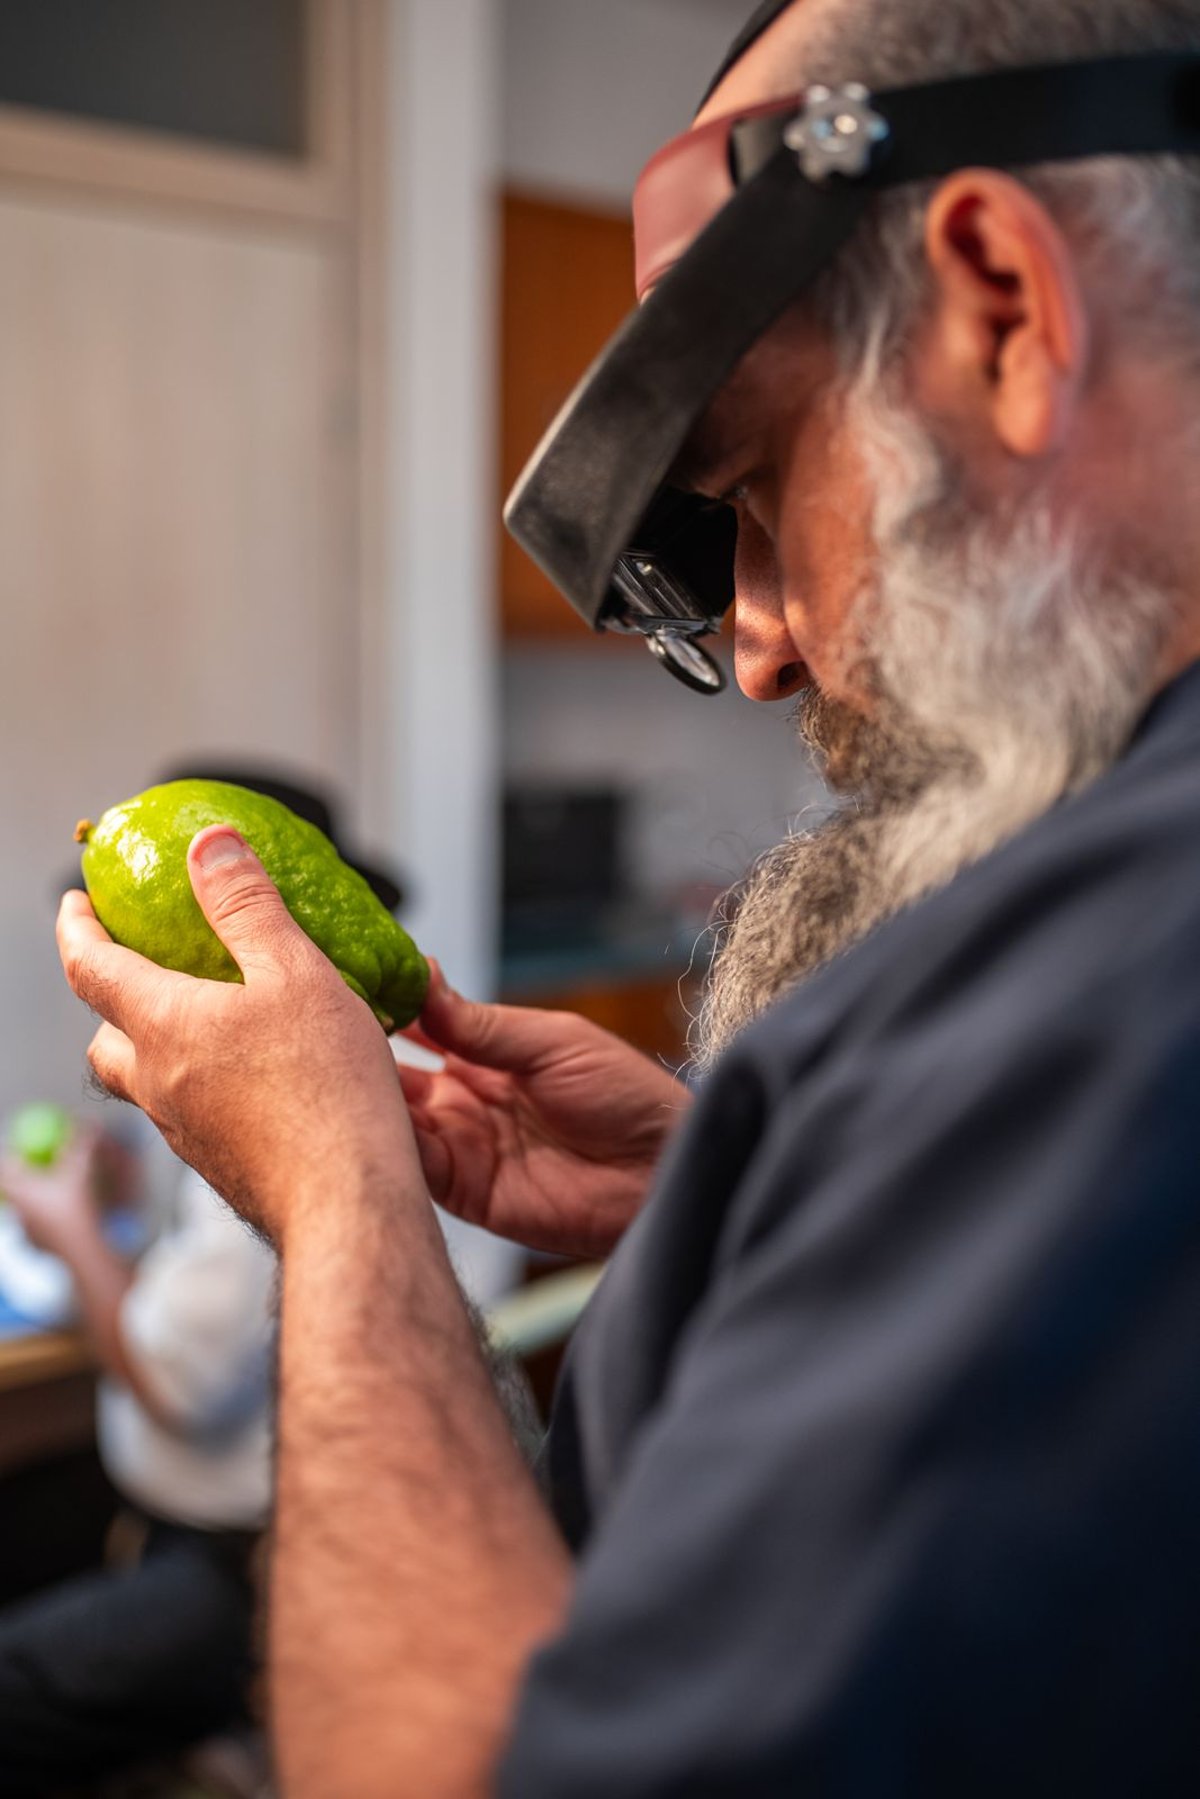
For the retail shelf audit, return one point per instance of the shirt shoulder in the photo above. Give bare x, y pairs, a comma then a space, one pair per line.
1034, 1026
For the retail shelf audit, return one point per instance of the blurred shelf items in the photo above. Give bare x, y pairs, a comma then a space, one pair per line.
577, 935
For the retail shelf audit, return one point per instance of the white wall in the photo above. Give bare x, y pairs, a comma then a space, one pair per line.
440, 657
173, 510
438, 712
593, 87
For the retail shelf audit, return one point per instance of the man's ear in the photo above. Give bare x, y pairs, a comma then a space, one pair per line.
1009, 337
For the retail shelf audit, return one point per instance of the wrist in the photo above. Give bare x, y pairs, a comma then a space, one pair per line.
351, 1214
330, 1185
371, 1263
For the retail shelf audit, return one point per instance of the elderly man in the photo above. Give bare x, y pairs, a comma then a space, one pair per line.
874, 1470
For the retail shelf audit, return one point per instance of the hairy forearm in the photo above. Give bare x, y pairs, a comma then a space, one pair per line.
415, 1568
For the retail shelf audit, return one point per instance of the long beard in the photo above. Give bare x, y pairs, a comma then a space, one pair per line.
1007, 664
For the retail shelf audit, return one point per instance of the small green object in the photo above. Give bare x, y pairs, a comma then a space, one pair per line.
39, 1133
135, 870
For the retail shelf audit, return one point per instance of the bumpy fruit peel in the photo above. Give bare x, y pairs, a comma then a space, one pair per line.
135, 870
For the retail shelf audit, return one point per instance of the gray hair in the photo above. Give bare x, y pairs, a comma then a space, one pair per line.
1135, 219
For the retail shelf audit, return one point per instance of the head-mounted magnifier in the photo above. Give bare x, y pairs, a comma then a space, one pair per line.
733, 221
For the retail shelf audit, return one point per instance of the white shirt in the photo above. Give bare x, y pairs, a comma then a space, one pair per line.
198, 1322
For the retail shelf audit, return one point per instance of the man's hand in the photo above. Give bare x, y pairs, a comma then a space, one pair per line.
415, 1568
270, 1089
541, 1126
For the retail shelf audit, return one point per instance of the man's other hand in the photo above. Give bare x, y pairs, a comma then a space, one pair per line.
541, 1126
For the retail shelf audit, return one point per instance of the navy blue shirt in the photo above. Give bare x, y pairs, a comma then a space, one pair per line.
880, 1444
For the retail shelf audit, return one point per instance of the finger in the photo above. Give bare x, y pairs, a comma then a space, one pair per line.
114, 1063
415, 1083
437, 1164
511, 1038
76, 904
494, 1085
242, 903
94, 1087
123, 987
413, 1033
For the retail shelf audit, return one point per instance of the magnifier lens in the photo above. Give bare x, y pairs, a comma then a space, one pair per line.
684, 658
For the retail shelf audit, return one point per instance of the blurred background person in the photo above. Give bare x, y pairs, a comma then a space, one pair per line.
145, 1657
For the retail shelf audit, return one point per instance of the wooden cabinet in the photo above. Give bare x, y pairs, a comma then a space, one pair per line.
567, 285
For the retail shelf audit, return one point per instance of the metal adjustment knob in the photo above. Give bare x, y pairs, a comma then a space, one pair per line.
837, 133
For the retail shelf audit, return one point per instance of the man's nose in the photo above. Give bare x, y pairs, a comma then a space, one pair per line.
765, 658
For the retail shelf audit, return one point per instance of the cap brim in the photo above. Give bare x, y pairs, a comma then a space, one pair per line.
596, 475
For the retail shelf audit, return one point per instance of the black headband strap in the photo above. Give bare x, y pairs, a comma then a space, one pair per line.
1011, 118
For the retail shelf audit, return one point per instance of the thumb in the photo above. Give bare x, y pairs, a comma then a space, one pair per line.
240, 901
512, 1038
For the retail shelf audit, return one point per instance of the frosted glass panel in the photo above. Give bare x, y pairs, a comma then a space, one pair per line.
224, 71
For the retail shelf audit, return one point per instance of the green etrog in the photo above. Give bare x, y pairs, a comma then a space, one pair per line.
38, 1133
135, 870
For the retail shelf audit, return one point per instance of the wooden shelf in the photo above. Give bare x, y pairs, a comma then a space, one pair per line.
47, 1397
42, 1356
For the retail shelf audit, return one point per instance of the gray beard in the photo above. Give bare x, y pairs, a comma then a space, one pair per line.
1006, 665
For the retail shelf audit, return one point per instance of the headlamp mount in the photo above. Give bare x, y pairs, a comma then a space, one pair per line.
733, 221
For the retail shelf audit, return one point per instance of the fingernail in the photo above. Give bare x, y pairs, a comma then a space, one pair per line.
222, 847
